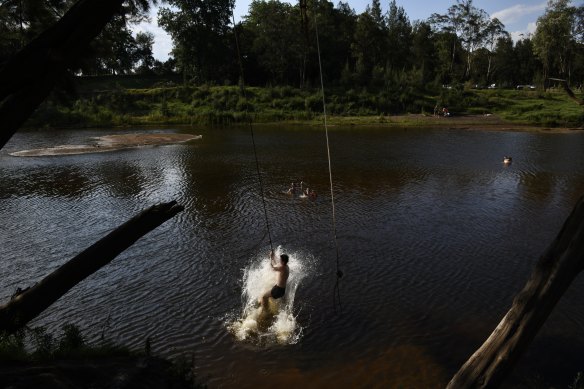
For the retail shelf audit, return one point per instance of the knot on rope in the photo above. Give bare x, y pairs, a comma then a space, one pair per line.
339, 274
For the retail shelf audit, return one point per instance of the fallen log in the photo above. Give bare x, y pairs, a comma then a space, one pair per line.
553, 274
28, 78
28, 304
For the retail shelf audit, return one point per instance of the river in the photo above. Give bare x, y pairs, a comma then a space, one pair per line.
435, 236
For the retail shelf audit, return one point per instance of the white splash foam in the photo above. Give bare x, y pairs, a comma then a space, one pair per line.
279, 324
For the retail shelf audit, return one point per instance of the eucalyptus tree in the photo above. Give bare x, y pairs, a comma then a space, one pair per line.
201, 34
468, 23
451, 25
555, 38
450, 62
494, 31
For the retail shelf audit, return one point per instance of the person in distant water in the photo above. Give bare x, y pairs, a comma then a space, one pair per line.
279, 289
292, 189
312, 194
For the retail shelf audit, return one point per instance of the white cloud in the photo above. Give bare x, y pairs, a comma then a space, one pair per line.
527, 32
162, 41
515, 13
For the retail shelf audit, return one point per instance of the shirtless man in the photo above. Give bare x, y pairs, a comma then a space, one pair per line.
283, 272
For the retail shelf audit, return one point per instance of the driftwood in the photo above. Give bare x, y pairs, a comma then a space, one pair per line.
28, 78
552, 276
32, 301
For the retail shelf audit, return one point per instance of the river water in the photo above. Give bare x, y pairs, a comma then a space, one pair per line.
435, 236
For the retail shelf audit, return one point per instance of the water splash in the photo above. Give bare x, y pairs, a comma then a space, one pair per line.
277, 324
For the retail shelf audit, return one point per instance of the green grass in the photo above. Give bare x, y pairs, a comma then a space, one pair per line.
553, 108
224, 105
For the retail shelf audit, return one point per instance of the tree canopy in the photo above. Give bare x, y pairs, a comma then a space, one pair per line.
278, 44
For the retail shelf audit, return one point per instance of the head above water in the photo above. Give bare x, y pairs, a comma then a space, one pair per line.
284, 258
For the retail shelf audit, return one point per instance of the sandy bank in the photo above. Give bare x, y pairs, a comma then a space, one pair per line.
109, 143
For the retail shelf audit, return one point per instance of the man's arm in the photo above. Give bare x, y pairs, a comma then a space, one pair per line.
275, 266
272, 257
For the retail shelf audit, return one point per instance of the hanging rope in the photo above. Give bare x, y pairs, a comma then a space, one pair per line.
251, 131
339, 274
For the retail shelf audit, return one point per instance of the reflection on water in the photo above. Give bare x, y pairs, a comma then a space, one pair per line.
436, 236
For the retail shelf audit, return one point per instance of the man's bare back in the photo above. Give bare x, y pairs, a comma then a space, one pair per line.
282, 269
279, 289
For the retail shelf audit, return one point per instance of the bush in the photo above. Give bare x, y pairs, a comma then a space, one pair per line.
72, 339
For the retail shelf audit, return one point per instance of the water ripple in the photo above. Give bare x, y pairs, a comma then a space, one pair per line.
435, 236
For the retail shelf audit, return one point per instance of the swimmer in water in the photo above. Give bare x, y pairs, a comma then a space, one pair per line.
279, 289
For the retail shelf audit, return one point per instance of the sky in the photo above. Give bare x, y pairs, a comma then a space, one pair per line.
519, 17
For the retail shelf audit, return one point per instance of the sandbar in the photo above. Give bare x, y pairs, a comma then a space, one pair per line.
108, 143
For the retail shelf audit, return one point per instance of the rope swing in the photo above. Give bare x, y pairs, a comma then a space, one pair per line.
339, 274
252, 133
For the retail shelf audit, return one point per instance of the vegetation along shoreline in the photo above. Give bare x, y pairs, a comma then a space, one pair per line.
98, 103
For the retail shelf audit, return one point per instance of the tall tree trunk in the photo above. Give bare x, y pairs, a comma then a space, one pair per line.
28, 77
29, 304
552, 276
489, 70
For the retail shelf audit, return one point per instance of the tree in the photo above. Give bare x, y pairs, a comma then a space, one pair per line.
399, 37
449, 53
553, 41
277, 40
423, 50
345, 21
200, 31
369, 42
30, 75
494, 31
111, 52
505, 61
23, 20
468, 23
143, 54
526, 62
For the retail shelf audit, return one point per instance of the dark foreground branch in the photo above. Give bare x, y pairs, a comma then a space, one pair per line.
552, 276
28, 78
29, 304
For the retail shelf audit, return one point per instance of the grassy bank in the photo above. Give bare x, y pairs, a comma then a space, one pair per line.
127, 102
33, 358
